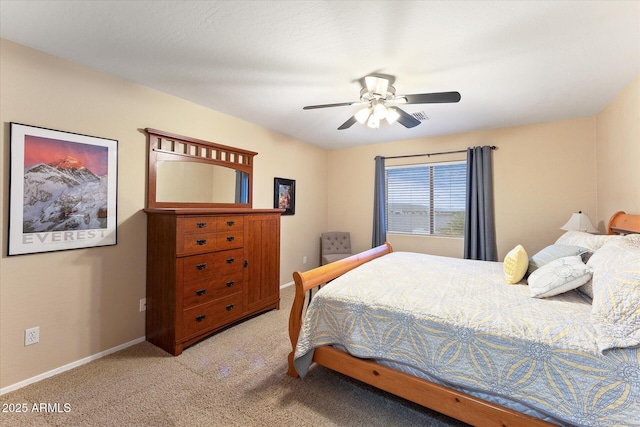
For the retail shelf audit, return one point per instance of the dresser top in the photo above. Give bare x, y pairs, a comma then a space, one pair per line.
209, 211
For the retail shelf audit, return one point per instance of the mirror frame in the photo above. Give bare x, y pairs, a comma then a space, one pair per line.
165, 146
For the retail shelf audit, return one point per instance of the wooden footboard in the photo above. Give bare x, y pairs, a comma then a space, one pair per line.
316, 277
447, 401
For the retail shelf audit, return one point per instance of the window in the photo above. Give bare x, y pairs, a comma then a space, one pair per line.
426, 199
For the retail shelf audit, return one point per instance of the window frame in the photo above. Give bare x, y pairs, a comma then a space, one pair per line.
433, 189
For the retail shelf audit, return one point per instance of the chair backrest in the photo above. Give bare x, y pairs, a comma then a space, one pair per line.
336, 242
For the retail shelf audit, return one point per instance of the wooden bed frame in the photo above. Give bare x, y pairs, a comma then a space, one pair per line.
623, 223
450, 402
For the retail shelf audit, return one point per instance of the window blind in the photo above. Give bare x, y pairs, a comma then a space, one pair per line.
426, 198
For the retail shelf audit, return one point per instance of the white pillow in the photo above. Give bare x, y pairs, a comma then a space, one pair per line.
559, 276
593, 242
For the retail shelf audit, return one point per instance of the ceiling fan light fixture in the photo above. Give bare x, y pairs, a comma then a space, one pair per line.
373, 122
362, 115
380, 111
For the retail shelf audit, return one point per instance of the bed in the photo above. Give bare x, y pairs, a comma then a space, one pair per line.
496, 355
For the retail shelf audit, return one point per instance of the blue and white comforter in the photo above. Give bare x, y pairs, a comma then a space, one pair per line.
457, 322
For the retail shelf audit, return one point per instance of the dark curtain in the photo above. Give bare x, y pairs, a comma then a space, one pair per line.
379, 225
479, 227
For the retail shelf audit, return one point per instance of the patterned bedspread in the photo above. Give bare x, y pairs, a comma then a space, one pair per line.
459, 323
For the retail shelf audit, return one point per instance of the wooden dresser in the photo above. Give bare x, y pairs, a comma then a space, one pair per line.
208, 268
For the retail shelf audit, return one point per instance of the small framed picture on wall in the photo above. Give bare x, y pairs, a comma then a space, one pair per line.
284, 195
63, 190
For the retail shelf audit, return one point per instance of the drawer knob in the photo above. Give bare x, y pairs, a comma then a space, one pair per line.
229, 307
201, 291
200, 318
201, 266
201, 224
230, 223
230, 238
201, 242
230, 260
230, 283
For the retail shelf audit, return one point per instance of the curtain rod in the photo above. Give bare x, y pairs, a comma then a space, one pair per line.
493, 147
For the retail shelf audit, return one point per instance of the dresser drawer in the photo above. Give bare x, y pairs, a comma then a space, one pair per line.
196, 224
208, 224
202, 291
196, 243
216, 313
229, 223
229, 240
198, 267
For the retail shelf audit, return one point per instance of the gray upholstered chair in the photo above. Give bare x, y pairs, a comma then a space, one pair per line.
335, 245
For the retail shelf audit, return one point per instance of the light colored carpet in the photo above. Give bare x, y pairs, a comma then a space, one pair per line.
234, 378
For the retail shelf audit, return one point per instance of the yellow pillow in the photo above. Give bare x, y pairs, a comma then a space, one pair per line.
515, 264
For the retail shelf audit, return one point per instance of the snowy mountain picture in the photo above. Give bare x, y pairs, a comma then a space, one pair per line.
63, 195
63, 190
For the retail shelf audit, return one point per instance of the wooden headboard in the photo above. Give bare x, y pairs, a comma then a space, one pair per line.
623, 223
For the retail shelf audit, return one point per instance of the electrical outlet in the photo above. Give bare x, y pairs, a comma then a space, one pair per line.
304, 259
143, 304
32, 336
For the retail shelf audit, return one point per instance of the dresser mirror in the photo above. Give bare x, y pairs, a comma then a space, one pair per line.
190, 173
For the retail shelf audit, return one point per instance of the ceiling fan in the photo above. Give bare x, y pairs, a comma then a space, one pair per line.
380, 102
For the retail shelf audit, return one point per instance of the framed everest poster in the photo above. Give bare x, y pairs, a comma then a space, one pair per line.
63, 190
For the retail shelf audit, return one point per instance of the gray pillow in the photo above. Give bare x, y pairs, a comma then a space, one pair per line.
552, 253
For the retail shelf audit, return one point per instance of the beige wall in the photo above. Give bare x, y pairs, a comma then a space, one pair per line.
541, 174
618, 154
86, 301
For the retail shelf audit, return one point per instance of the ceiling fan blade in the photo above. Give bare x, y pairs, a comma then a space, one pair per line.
340, 104
406, 119
433, 98
348, 123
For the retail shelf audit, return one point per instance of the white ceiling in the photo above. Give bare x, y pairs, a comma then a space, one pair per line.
514, 62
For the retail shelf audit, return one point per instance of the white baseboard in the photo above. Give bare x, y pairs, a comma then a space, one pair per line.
69, 366
286, 285
72, 365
